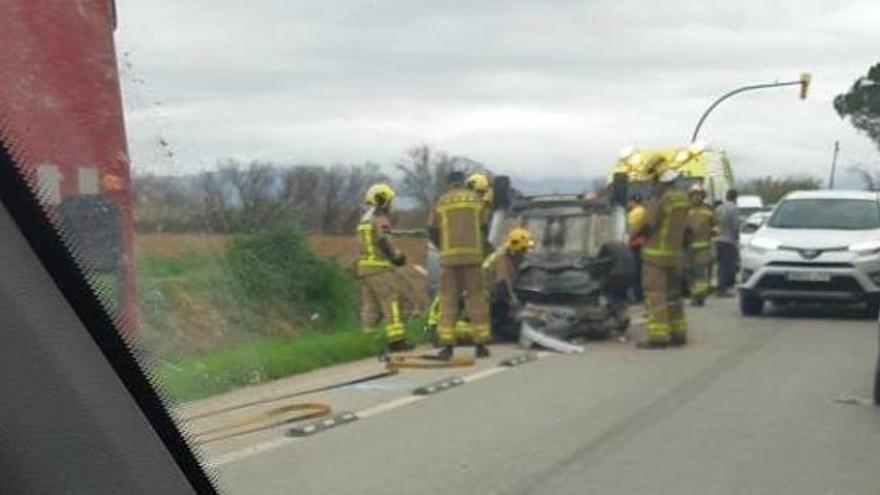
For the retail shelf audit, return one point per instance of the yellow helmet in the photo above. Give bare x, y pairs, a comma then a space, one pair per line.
379, 194
519, 239
656, 166
478, 182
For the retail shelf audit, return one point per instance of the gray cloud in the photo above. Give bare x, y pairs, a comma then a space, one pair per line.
552, 88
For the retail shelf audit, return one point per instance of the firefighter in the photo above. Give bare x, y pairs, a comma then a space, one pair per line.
457, 229
478, 182
382, 289
501, 269
504, 261
663, 256
700, 224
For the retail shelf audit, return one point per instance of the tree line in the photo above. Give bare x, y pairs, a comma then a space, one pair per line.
245, 197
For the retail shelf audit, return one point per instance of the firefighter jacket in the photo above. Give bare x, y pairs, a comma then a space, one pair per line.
457, 227
701, 221
664, 227
377, 251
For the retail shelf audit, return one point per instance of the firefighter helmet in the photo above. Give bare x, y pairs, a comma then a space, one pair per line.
519, 239
478, 182
379, 194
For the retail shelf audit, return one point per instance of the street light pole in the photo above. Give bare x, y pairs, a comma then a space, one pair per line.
834, 164
803, 82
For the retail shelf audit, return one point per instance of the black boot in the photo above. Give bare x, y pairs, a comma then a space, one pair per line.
445, 353
650, 344
402, 345
679, 339
482, 351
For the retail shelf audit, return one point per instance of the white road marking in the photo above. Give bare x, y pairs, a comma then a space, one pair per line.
251, 451
388, 406
483, 374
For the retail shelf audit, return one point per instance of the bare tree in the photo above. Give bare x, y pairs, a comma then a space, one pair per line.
215, 201
425, 172
869, 176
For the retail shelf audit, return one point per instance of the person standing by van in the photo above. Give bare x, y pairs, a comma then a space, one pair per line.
727, 243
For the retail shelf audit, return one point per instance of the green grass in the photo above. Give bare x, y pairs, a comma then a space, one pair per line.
266, 359
266, 308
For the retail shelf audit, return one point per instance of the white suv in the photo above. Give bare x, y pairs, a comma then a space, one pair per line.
817, 246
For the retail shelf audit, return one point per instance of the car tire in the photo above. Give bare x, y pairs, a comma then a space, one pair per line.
750, 304
872, 309
621, 274
877, 380
877, 383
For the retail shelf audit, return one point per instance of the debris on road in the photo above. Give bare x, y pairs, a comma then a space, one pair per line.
855, 401
529, 337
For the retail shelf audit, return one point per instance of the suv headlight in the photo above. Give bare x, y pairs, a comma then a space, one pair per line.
762, 245
866, 248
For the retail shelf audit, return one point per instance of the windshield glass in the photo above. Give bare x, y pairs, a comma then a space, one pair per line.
830, 214
566, 230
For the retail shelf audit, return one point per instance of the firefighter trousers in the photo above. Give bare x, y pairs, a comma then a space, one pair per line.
468, 283
662, 282
383, 300
698, 272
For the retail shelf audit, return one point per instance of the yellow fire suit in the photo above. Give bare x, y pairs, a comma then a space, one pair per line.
663, 264
382, 288
457, 222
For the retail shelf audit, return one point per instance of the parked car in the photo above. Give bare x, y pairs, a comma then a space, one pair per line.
816, 246
748, 205
751, 225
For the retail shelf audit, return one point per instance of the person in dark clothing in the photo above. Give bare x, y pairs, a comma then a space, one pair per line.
727, 243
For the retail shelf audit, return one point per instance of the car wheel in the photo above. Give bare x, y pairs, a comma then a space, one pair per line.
621, 272
750, 304
872, 309
877, 381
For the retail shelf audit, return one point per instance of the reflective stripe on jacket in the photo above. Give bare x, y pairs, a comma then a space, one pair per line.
666, 220
701, 221
458, 219
370, 231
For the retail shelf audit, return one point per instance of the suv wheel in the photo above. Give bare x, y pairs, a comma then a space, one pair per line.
750, 304
872, 309
877, 381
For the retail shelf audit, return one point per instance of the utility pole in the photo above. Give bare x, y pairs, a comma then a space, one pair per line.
803, 82
834, 164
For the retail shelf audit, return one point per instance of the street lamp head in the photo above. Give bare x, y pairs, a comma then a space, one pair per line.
806, 77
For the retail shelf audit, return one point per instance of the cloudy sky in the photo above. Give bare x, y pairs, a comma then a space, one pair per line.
548, 88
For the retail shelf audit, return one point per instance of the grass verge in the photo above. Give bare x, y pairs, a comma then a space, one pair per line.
267, 358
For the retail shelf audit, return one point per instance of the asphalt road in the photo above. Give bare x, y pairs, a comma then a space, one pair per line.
749, 406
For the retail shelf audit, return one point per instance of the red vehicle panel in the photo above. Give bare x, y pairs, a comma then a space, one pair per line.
61, 111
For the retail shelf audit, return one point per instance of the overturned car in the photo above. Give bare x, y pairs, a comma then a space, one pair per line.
574, 281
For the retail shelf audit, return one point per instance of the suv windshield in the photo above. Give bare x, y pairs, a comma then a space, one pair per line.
832, 214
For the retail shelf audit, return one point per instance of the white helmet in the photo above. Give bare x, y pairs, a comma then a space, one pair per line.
697, 189
669, 176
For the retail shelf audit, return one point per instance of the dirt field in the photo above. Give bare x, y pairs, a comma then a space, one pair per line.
172, 245
343, 248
